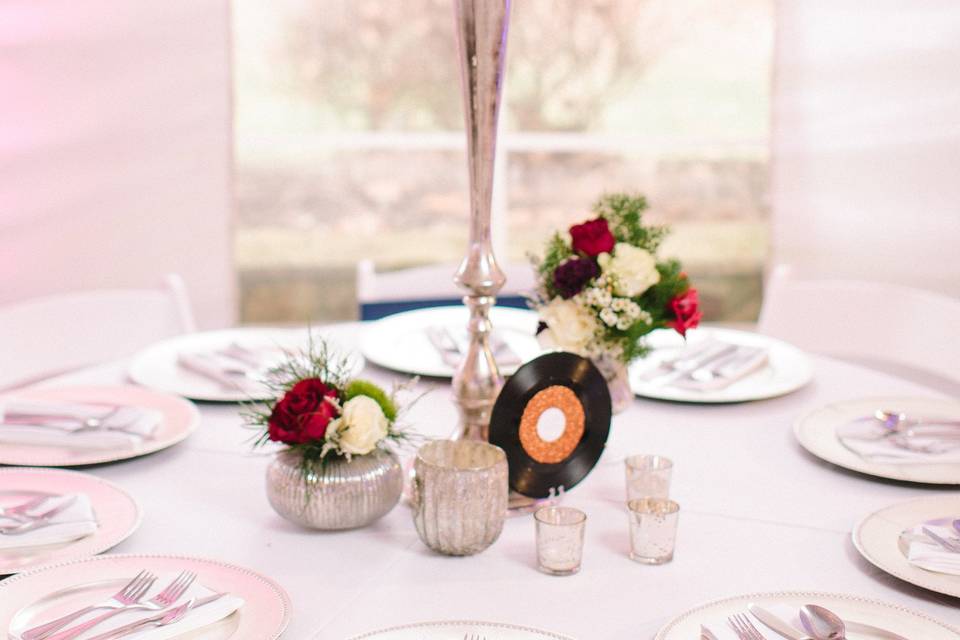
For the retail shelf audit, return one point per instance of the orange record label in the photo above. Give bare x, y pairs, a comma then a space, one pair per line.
553, 451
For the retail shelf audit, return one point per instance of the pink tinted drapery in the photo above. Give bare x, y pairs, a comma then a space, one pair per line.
115, 148
866, 140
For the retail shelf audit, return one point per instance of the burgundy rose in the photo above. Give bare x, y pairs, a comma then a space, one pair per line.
592, 237
686, 311
570, 276
303, 413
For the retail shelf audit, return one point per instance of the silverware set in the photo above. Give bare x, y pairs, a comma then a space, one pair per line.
452, 350
706, 362
818, 623
73, 424
903, 431
163, 606
24, 520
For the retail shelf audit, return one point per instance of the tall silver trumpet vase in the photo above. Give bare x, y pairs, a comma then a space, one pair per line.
482, 42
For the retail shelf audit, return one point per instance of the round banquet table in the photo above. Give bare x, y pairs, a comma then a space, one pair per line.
757, 514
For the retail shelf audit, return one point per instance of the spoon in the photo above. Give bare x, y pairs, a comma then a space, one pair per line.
821, 623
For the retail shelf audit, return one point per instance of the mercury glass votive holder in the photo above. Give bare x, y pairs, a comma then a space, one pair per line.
459, 495
559, 539
648, 476
653, 529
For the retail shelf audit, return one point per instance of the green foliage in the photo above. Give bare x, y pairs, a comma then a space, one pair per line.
624, 214
366, 388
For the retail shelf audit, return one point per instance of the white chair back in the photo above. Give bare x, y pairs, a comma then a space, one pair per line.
869, 322
50, 335
380, 293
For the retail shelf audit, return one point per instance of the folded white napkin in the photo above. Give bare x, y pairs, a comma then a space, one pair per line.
927, 554
75, 522
231, 374
195, 619
61, 425
722, 629
863, 437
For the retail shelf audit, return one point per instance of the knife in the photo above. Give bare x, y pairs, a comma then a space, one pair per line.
775, 623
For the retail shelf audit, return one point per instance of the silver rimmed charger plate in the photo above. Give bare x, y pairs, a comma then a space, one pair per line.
180, 418
30, 598
458, 629
156, 366
788, 368
877, 538
399, 342
817, 433
892, 617
117, 514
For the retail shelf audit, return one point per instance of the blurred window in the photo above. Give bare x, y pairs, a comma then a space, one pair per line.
349, 139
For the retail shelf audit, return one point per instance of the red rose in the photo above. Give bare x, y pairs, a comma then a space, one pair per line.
593, 237
686, 311
303, 413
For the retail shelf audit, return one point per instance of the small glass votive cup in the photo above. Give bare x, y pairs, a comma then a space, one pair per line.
653, 529
648, 476
559, 539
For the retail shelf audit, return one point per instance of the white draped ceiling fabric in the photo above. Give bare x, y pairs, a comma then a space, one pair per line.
115, 148
866, 140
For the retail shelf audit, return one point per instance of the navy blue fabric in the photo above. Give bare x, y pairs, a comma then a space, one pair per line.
377, 310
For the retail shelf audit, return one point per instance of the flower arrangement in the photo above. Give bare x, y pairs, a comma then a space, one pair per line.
601, 287
321, 413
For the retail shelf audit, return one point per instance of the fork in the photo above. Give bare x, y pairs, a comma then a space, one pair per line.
949, 545
472, 636
129, 594
29, 523
744, 628
166, 598
19, 511
159, 620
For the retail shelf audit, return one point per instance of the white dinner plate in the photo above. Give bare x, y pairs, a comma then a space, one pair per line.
399, 342
788, 368
457, 630
817, 433
179, 420
156, 366
892, 617
877, 538
116, 512
29, 599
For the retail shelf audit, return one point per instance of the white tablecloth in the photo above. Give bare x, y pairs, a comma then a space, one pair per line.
757, 514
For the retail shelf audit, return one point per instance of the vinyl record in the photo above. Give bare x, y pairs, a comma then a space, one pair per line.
558, 380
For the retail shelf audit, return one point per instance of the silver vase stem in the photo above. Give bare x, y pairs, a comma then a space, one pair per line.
482, 39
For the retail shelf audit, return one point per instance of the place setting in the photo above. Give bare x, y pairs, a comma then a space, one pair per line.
432, 341
142, 596
798, 615
917, 541
52, 515
230, 365
900, 438
70, 426
717, 365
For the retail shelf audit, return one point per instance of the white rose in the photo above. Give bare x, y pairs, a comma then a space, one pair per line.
634, 269
360, 426
569, 326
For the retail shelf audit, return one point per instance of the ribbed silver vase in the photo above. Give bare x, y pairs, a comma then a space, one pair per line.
459, 495
340, 494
